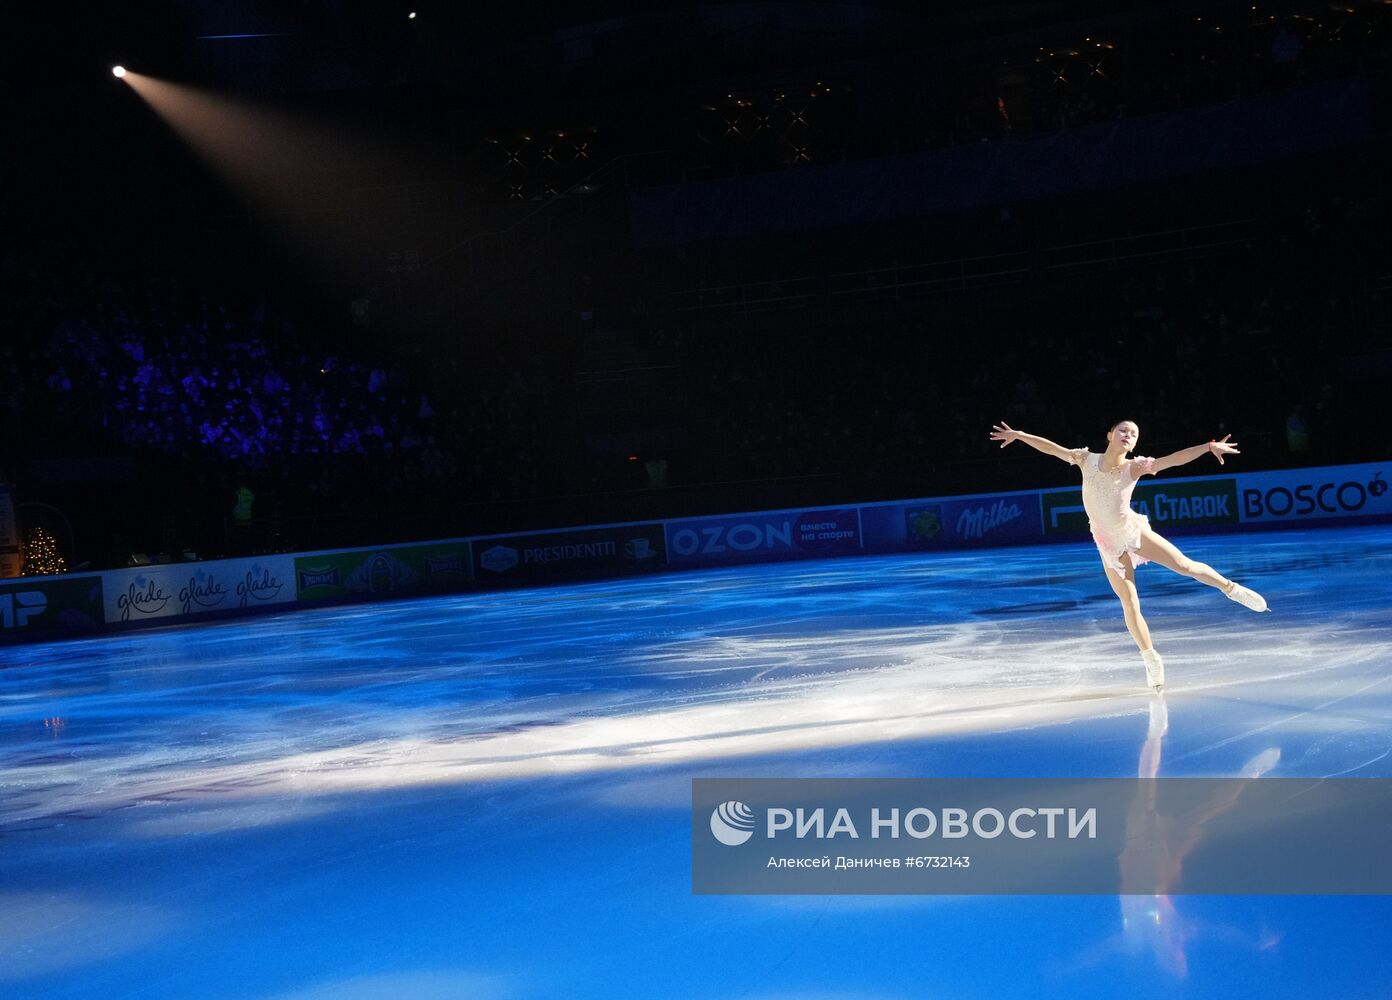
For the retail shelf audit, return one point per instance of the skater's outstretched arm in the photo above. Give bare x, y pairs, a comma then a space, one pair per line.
1003, 433
1215, 448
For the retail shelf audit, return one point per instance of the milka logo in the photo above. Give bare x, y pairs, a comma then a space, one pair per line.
145, 597
260, 584
975, 522
203, 590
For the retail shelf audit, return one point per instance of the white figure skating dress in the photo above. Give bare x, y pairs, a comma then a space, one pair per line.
1116, 528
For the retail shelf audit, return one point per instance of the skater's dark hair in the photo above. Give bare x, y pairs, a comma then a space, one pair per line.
1123, 420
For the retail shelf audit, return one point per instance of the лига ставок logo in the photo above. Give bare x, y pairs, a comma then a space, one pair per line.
732, 823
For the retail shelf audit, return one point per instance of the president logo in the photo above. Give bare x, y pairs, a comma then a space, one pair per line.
498, 559
567, 553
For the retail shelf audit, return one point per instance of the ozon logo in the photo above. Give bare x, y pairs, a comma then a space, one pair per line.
1310, 498
732, 823
715, 538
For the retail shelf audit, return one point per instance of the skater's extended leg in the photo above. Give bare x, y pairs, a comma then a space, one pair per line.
1125, 589
1157, 549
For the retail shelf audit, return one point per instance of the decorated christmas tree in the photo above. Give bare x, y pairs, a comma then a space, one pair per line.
41, 555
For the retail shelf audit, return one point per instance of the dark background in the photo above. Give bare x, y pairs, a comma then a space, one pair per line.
606, 261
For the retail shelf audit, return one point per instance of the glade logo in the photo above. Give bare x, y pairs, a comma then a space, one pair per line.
499, 559
18, 606
144, 596
732, 823
1306, 498
260, 584
976, 522
204, 590
716, 538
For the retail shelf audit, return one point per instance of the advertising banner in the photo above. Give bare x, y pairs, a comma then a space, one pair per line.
952, 522
395, 570
510, 560
40, 604
179, 590
1169, 504
1338, 492
762, 537
1143, 837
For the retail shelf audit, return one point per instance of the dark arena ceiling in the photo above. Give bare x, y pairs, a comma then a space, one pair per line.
272, 47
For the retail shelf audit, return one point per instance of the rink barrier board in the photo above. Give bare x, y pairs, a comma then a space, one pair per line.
170, 594
187, 590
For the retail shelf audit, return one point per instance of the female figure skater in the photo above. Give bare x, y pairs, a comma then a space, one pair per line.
1124, 536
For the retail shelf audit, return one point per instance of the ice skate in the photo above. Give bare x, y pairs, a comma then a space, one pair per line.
1154, 669
1247, 598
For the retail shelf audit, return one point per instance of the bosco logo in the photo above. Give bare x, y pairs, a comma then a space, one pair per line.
1305, 499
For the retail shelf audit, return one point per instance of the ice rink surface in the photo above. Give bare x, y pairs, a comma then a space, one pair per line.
488, 796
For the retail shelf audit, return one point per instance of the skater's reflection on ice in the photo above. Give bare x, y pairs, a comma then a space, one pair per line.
1156, 846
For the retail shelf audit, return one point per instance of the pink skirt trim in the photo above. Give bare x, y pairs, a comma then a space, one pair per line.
1128, 539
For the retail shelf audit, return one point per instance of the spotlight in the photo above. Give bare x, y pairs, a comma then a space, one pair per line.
118, 71
412, 15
